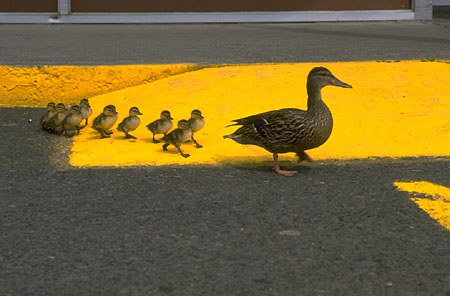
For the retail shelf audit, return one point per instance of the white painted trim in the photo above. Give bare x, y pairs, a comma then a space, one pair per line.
441, 2
210, 17
27, 18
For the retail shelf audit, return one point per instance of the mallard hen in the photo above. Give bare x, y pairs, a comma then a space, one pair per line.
291, 130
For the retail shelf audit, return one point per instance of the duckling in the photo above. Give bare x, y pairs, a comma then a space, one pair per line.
130, 123
55, 123
161, 126
196, 123
179, 135
86, 110
45, 118
291, 130
103, 122
71, 123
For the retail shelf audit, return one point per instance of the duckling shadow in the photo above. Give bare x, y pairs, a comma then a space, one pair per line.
150, 141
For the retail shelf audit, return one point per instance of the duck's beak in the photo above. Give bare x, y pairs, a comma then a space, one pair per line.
337, 82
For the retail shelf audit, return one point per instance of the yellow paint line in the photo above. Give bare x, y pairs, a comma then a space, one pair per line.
36, 86
436, 192
438, 207
394, 110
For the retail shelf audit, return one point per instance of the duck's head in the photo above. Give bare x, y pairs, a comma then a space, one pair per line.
51, 106
183, 124
166, 115
319, 77
134, 111
75, 109
60, 108
196, 114
84, 103
110, 110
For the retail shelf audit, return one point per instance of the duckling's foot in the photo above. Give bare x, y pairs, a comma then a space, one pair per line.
185, 155
165, 147
109, 132
105, 136
196, 143
154, 140
128, 136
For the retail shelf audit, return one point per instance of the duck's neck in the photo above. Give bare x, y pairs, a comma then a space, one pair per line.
314, 96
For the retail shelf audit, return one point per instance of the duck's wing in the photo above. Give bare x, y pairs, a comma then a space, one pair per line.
275, 130
97, 121
44, 118
153, 126
123, 123
266, 117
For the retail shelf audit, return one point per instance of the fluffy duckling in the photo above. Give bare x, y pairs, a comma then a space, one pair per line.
55, 123
130, 123
196, 123
45, 118
71, 123
103, 122
85, 110
179, 135
161, 125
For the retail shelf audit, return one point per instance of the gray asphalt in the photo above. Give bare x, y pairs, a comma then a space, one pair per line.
222, 44
336, 228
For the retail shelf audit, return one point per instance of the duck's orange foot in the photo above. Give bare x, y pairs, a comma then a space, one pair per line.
285, 173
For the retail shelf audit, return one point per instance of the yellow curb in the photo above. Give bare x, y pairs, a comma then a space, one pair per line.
36, 86
394, 110
438, 207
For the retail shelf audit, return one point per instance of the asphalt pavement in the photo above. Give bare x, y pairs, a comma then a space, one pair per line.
335, 228
222, 43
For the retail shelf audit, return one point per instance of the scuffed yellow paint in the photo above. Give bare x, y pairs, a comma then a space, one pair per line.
394, 110
437, 192
438, 203
36, 86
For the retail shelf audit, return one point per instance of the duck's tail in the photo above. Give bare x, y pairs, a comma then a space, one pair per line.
234, 137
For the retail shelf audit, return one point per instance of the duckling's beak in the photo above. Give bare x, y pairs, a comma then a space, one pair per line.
139, 113
171, 118
337, 82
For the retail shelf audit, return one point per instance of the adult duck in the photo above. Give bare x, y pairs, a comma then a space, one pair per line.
290, 129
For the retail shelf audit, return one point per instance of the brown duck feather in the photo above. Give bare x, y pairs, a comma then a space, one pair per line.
291, 129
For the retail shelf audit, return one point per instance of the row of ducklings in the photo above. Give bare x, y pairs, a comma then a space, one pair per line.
58, 120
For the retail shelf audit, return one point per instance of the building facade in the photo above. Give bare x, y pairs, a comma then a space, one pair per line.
207, 11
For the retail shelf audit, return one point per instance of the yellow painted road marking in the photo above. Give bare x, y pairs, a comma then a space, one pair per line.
438, 203
394, 110
36, 86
